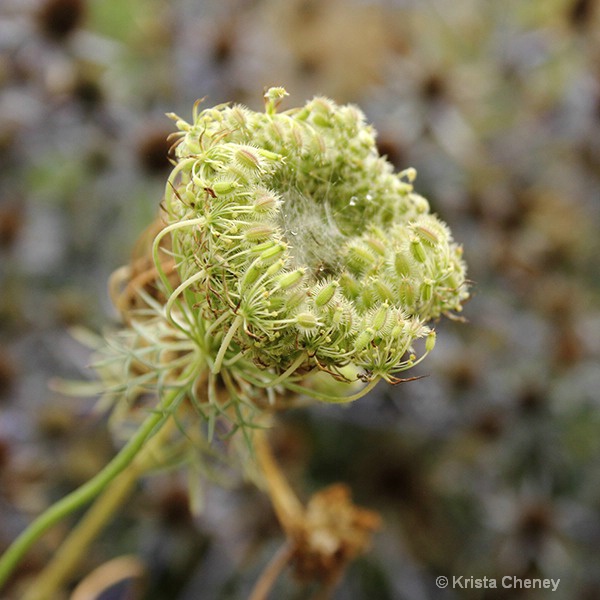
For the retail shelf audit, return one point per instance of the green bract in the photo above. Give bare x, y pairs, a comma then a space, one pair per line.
298, 248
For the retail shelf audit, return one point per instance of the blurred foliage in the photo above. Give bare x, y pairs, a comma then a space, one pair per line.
489, 466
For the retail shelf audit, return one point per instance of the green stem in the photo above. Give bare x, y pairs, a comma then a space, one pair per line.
291, 369
177, 292
88, 491
225, 344
331, 399
73, 548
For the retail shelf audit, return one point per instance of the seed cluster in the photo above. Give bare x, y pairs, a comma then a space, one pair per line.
299, 248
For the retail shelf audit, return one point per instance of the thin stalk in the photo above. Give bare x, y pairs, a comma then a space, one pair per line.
225, 344
331, 399
289, 371
288, 508
88, 491
73, 548
180, 288
269, 576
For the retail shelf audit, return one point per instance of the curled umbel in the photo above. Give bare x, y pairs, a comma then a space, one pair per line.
299, 249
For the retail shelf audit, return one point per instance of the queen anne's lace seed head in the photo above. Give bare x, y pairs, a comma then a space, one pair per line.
289, 246
311, 246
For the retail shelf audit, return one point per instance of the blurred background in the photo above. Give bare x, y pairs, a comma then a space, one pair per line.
490, 465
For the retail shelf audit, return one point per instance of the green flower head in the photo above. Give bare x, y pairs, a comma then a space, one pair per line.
298, 249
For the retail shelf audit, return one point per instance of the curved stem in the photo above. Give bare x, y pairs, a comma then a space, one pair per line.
289, 511
72, 549
177, 292
271, 572
225, 344
156, 248
332, 399
288, 508
289, 371
88, 491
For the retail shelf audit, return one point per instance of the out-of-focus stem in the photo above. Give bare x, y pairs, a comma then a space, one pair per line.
72, 550
88, 491
287, 507
271, 572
